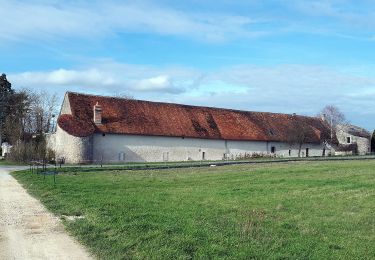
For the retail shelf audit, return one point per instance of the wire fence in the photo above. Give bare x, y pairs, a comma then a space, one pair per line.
42, 167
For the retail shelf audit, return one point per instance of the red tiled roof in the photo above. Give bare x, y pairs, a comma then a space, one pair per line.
75, 126
136, 117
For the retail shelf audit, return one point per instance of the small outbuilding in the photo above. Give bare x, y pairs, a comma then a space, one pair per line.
352, 140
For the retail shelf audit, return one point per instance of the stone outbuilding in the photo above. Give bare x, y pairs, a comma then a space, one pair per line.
352, 140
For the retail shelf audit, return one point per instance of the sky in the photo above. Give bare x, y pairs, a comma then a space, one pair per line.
293, 56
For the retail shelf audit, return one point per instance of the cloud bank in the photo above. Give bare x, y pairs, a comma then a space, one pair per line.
46, 20
56, 20
282, 88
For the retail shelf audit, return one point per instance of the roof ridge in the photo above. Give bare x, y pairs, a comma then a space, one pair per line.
192, 106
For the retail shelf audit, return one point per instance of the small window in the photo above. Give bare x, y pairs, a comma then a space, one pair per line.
290, 152
165, 156
273, 149
348, 140
307, 152
121, 156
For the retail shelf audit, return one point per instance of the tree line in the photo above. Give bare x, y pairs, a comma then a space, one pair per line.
25, 116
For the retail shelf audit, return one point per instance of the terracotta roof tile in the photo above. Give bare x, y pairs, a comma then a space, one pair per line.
136, 117
75, 126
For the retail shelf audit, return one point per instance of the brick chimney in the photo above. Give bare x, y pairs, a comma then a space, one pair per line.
98, 114
323, 117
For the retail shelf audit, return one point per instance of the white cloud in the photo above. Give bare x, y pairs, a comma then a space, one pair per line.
97, 80
161, 83
44, 20
339, 15
283, 88
280, 84
57, 20
63, 77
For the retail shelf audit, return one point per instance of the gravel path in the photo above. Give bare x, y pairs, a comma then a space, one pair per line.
27, 229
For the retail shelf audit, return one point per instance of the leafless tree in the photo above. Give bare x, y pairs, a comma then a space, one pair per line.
123, 95
299, 134
42, 111
334, 118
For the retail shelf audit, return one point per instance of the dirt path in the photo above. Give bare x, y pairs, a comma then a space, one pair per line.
28, 230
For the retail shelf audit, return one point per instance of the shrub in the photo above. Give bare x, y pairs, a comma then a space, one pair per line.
25, 151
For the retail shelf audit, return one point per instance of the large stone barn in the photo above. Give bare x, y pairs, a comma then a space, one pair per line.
96, 128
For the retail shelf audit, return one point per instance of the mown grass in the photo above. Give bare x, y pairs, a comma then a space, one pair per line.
304, 210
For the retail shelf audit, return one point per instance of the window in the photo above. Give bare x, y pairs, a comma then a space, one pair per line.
273, 149
165, 156
121, 156
348, 140
307, 152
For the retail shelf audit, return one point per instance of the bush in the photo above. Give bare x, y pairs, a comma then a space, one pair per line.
28, 151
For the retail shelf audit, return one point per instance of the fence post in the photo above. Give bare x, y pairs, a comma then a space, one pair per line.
54, 175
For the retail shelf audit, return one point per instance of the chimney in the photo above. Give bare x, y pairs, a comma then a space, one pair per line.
323, 117
98, 114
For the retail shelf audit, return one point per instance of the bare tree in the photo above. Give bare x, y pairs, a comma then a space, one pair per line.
299, 134
334, 118
43, 108
123, 95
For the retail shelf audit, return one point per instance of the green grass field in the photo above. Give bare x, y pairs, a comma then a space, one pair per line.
9, 163
304, 210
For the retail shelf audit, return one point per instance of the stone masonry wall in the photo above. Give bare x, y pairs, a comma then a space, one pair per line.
364, 144
73, 149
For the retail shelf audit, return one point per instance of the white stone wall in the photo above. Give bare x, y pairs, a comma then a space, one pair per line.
135, 148
281, 149
50, 141
73, 149
154, 148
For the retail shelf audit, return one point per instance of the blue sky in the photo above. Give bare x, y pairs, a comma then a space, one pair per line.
280, 56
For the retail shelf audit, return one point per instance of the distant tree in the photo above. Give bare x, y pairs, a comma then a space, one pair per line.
334, 118
31, 117
6, 92
14, 126
373, 142
299, 134
123, 95
42, 111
